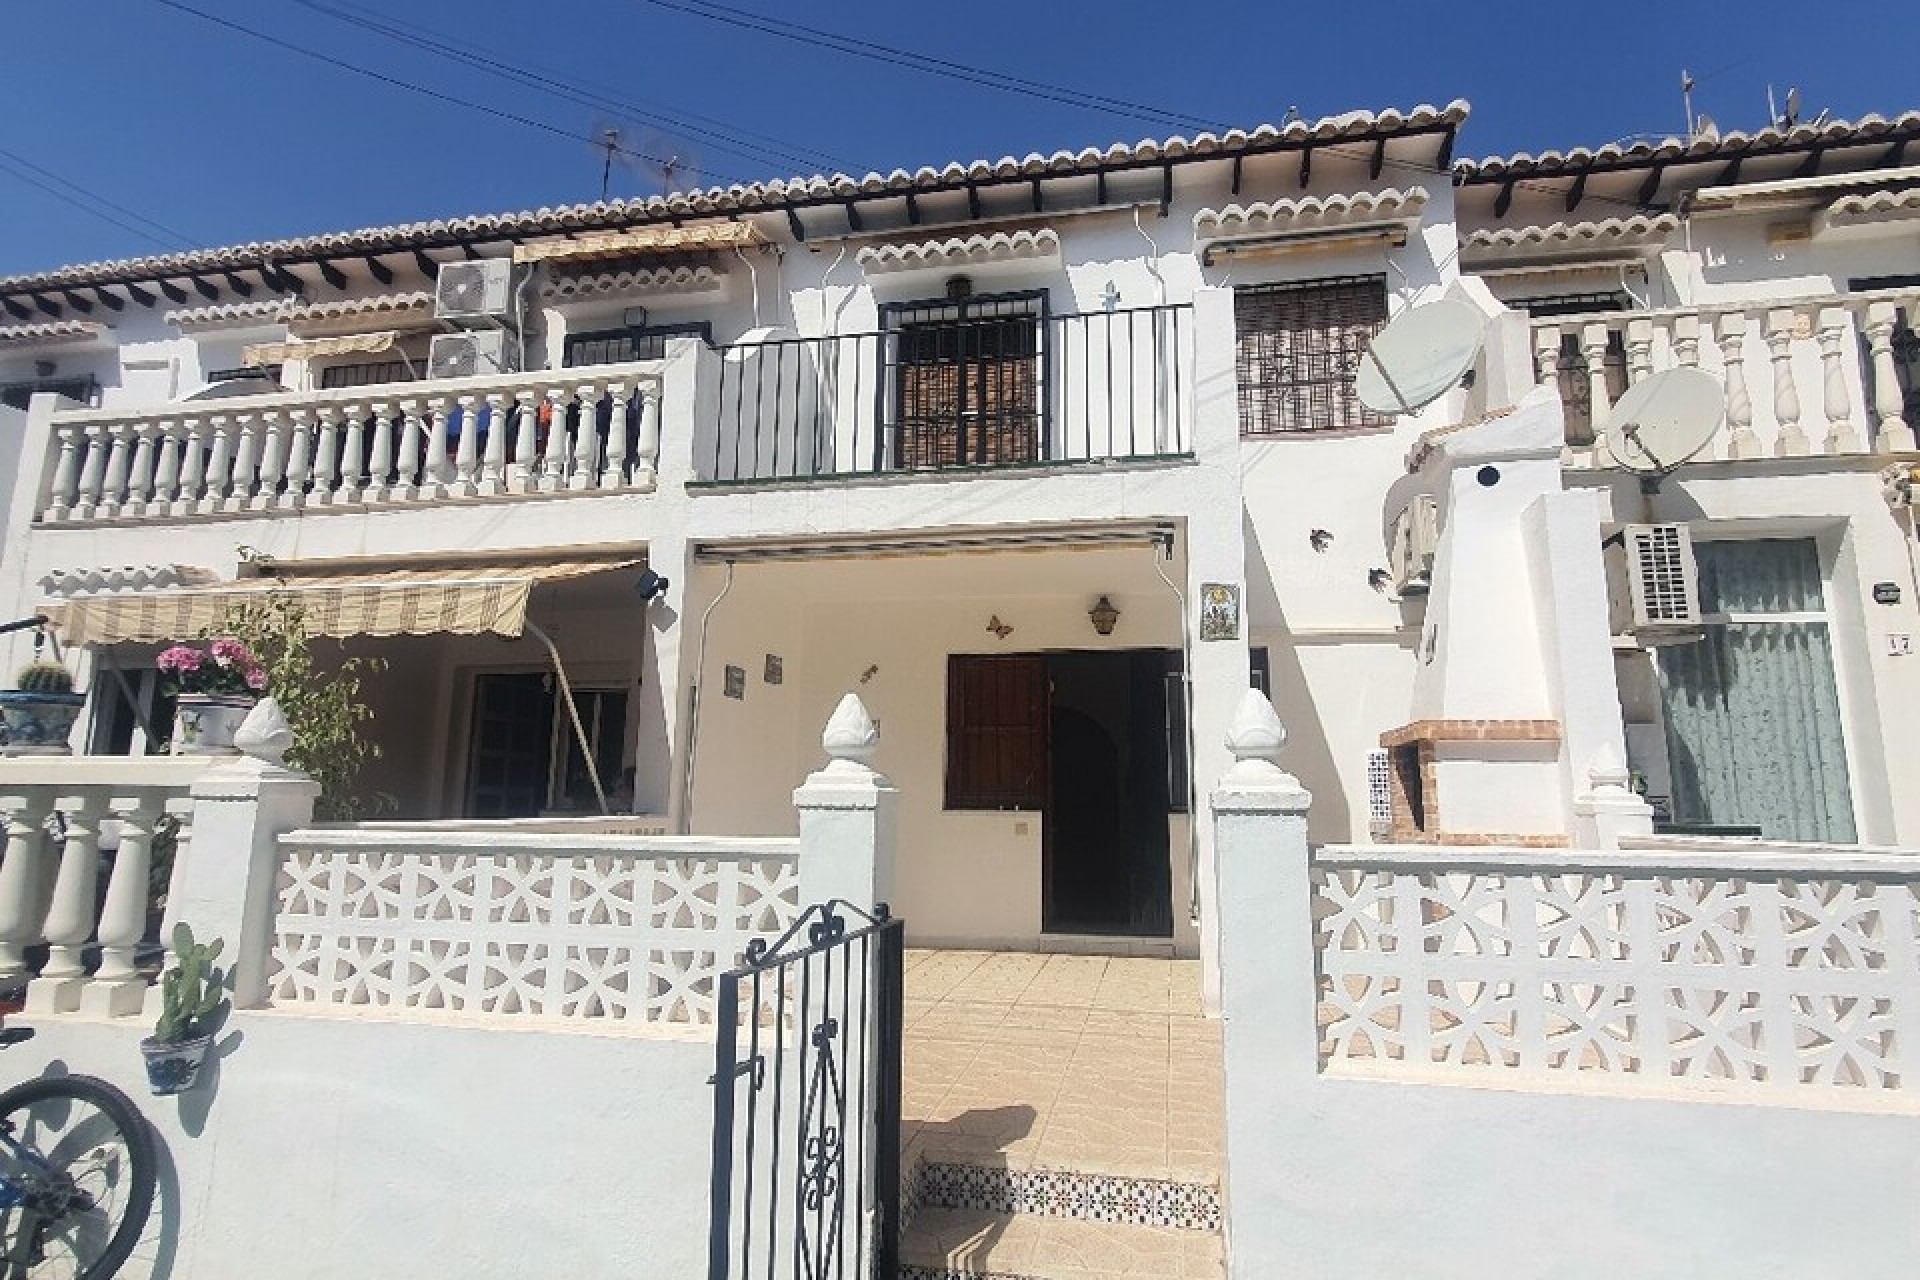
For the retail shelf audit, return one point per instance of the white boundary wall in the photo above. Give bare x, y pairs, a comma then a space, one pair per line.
1477, 1165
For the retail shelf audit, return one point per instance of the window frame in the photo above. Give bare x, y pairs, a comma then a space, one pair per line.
632, 335
1264, 402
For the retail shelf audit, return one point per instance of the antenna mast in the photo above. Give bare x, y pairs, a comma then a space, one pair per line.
1686, 97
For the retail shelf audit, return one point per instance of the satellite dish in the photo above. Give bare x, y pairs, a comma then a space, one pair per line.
1419, 356
1664, 420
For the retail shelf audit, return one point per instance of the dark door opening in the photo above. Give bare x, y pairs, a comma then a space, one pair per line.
1104, 826
512, 745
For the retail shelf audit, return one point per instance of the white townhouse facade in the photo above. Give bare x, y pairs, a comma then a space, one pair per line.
1047, 459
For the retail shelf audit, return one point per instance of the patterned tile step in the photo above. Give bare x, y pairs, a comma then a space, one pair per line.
1067, 1193
975, 1244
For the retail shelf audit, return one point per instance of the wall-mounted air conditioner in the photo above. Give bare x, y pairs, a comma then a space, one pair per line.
473, 355
1662, 583
476, 292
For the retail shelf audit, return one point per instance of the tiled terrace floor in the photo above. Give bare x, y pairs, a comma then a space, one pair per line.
1094, 1064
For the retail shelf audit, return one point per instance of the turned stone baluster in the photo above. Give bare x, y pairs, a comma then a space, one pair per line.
70, 913
1742, 443
93, 473
219, 464
555, 473
1639, 350
1593, 349
380, 458
407, 478
66, 475
493, 466
647, 451
1892, 433
439, 471
113, 492
1546, 365
166, 471
1686, 341
1789, 441
246, 463
522, 477
1843, 436
117, 987
140, 483
21, 876
273, 461
327, 485
299, 449
193, 469
614, 474
467, 455
586, 437
351, 451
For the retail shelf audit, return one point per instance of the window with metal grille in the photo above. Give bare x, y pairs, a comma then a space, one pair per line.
996, 731
252, 372
966, 381
624, 346
1297, 350
371, 373
1571, 368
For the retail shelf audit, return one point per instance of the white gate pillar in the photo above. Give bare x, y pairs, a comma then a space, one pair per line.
848, 816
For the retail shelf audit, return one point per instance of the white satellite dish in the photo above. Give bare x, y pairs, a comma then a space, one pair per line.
1664, 420
1420, 356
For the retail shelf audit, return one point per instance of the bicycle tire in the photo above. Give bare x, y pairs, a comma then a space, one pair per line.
141, 1157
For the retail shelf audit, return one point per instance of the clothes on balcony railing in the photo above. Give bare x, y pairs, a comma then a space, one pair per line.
456, 599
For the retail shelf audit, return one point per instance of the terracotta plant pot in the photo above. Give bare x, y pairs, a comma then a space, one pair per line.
38, 724
204, 723
173, 1068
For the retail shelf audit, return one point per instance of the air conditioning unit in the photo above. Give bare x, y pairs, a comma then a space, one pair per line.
474, 292
1662, 583
1416, 540
473, 355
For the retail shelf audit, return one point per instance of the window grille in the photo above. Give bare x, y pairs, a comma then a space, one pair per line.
625, 346
1298, 350
967, 381
371, 373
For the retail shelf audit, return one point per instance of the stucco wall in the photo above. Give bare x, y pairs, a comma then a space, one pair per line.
325, 1148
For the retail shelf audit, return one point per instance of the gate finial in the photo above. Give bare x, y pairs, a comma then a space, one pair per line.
851, 737
1255, 736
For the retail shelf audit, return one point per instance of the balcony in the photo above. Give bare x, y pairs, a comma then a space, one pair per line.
403, 444
1833, 374
981, 383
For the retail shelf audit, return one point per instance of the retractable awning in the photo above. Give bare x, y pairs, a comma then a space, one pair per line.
450, 599
621, 244
949, 541
265, 353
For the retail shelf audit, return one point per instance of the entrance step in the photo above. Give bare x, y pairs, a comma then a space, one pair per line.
980, 1244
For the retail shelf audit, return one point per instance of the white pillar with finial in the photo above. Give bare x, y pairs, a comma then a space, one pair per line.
848, 813
1268, 995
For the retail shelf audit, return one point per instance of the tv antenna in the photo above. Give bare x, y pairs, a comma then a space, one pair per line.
670, 160
1663, 422
1686, 98
610, 140
1422, 354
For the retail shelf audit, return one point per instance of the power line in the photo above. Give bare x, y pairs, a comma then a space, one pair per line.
766, 150
873, 52
435, 94
16, 167
161, 227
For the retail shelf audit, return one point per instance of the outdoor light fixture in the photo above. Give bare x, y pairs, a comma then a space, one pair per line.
1103, 615
649, 585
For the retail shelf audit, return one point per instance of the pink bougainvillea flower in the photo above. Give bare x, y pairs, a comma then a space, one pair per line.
256, 679
180, 659
228, 652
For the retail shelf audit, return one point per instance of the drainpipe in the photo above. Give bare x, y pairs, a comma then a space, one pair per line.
1165, 543
573, 714
693, 706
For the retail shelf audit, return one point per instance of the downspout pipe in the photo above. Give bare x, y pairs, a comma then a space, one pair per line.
1165, 544
693, 706
573, 714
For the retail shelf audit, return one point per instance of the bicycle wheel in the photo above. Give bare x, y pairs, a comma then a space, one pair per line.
77, 1170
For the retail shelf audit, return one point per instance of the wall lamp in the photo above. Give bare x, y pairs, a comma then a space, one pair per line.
649, 585
1103, 616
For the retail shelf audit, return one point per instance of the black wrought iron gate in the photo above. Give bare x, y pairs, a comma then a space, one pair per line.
806, 1103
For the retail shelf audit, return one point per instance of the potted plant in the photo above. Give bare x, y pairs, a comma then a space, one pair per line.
214, 688
191, 993
38, 713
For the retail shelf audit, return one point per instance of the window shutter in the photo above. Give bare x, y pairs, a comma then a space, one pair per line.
996, 732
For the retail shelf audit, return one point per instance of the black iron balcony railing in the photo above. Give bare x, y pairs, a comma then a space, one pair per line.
979, 390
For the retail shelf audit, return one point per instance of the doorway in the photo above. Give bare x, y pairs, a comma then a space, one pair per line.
526, 759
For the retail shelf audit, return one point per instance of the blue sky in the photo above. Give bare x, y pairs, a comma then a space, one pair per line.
220, 137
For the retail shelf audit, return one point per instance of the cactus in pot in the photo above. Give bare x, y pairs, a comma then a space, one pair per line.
192, 992
43, 676
37, 715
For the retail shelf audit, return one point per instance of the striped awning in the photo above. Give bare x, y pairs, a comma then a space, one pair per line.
266, 353
702, 238
415, 601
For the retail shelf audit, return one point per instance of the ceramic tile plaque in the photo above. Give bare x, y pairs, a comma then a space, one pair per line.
736, 683
1220, 611
776, 670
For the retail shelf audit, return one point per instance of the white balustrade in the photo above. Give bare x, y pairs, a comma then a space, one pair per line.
1844, 344
449, 440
